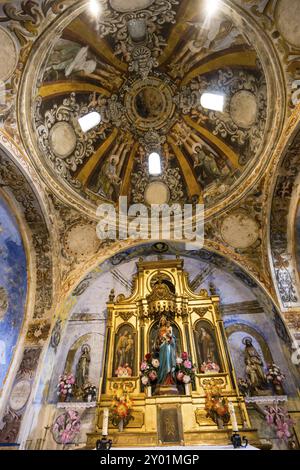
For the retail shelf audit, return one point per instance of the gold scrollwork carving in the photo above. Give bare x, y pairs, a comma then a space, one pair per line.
201, 311
126, 315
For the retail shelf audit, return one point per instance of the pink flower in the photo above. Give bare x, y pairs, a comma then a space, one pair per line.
153, 375
73, 414
187, 364
144, 365
180, 376
283, 431
145, 380
184, 356
65, 437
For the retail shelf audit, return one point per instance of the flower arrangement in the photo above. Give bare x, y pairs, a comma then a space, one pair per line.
89, 392
280, 419
185, 369
66, 427
216, 406
121, 408
209, 367
148, 369
125, 371
275, 377
65, 387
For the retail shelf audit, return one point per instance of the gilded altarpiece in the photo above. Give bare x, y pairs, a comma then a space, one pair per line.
161, 290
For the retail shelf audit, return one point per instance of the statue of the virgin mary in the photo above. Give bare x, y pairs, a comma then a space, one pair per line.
166, 346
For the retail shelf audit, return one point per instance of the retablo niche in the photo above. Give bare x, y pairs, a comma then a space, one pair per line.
168, 377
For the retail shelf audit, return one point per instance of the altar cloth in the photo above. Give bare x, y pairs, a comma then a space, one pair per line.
184, 448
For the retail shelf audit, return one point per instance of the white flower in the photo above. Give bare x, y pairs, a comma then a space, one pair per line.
145, 380
186, 379
179, 360
155, 363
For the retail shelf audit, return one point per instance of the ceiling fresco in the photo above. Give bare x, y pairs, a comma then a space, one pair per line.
144, 69
297, 238
13, 286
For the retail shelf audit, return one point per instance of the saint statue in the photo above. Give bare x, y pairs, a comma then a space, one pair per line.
82, 368
166, 346
122, 349
254, 365
207, 346
124, 356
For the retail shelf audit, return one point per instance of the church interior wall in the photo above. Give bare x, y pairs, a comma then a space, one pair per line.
85, 324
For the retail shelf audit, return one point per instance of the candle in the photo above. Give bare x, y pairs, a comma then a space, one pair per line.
105, 422
233, 417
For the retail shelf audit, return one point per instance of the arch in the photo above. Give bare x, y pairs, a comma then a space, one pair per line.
74, 354
21, 189
283, 207
127, 251
243, 327
14, 283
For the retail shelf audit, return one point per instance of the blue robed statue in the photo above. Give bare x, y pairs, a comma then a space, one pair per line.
166, 346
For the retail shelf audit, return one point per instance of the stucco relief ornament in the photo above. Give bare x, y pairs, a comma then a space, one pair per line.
244, 117
170, 176
56, 335
136, 29
61, 139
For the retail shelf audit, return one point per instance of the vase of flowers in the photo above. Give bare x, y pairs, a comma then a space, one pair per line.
216, 406
148, 371
121, 409
209, 367
275, 377
89, 392
121, 425
65, 387
185, 371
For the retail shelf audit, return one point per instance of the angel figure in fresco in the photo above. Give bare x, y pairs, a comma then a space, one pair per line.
166, 346
108, 179
82, 368
254, 365
218, 34
207, 165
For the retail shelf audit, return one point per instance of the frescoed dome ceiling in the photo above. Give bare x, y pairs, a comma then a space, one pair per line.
143, 65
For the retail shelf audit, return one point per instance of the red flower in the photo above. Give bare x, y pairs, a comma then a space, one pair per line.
184, 355
148, 357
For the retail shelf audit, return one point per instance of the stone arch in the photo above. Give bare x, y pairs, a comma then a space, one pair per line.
20, 187
283, 208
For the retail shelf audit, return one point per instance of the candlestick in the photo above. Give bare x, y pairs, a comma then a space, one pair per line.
233, 417
105, 422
